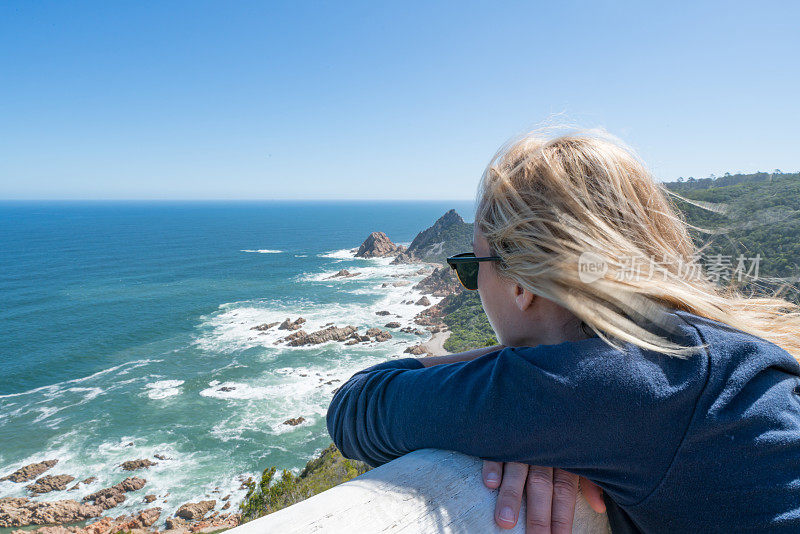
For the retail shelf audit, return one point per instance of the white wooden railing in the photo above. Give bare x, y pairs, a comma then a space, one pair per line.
426, 491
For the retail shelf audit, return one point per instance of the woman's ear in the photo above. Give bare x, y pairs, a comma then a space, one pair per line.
523, 298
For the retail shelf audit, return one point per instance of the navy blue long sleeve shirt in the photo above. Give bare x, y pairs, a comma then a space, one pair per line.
705, 444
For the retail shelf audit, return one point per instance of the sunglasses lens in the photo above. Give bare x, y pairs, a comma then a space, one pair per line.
468, 274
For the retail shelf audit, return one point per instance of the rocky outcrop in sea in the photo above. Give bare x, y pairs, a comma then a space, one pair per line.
376, 245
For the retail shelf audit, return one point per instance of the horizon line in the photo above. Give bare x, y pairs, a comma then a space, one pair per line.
236, 200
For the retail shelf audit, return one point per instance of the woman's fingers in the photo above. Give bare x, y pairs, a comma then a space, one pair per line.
593, 495
509, 497
539, 489
565, 493
492, 474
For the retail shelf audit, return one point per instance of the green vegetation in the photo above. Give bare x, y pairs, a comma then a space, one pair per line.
321, 473
762, 218
468, 324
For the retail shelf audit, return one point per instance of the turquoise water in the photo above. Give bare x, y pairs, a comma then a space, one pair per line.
121, 322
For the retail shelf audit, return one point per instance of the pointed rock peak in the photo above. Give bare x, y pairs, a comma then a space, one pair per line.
448, 218
377, 244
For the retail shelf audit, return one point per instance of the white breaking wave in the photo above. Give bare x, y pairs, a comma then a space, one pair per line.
341, 254
163, 389
53, 388
263, 251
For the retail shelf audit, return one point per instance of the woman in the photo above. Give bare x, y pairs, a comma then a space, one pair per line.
619, 360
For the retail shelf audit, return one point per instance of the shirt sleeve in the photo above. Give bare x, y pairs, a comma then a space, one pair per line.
615, 417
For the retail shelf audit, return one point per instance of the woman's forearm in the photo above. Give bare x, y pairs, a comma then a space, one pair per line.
459, 356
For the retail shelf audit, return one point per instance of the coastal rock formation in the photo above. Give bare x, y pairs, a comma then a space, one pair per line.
294, 421
403, 258
332, 333
90, 479
264, 326
416, 350
29, 472
174, 523
21, 511
194, 511
133, 465
412, 330
291, 337
291, 325
440, 283
50, 483
342, 273
376, 245
423, 302
149, 498
392, 324
432, 316
139, 523
383, 312
110, 497
449, 235
379, 335
399, 283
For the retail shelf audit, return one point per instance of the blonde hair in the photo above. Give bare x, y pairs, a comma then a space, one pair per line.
547, 202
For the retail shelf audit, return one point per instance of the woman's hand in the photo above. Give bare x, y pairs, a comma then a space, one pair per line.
551, 495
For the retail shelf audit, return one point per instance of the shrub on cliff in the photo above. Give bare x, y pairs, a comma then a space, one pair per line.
469, 327
321, 473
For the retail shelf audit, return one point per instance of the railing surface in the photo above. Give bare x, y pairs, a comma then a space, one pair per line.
426, 491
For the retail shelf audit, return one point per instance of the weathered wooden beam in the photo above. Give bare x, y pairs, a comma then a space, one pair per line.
426, 491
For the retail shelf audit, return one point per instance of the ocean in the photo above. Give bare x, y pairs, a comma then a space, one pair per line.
125, 331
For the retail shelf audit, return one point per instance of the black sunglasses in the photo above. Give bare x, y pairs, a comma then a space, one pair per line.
466, 267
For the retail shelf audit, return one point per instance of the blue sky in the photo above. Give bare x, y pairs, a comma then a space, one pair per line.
305, 100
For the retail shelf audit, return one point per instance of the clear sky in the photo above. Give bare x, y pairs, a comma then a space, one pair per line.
237, 100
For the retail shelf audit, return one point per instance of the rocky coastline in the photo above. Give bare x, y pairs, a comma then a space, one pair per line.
90, 514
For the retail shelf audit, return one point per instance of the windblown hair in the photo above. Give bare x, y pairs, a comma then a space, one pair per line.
549, 205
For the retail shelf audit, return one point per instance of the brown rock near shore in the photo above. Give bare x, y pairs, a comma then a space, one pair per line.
50, 483
331, 333
379, 334
133, 465
294, 421
423, 302
21, 511
264, 326
288, 324
378, 244
403, 258
440, 283
149, 498
383, 312
174, 522
416, 350
194, 511
432, 316
299, 334
29, 472
110, 497
393, 324
342, 273
106, 525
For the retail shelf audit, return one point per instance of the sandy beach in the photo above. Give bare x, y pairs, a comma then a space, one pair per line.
435, 345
